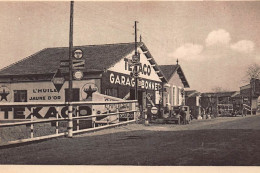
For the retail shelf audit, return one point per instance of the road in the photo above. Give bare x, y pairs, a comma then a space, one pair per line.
222, 141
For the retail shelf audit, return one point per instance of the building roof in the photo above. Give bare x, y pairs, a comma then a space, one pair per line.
98, 58
192, 93
219, 94
169, 70
245, 86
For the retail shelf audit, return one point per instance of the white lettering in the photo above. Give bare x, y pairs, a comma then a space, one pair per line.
156, 86
122, 80
133, 82
128, 82
150, 85
153, 86
117, 80
112, 78
146, 85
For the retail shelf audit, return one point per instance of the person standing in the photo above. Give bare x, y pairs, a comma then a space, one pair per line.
183, 115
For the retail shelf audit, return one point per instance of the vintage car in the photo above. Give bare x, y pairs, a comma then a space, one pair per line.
175, 116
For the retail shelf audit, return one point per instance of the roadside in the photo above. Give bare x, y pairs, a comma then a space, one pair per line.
214, 123
222, 141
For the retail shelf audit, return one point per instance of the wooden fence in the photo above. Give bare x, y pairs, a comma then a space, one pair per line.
129, 113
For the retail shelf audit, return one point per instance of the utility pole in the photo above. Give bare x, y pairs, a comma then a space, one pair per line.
70, 50
70, 125
135, 37
135, 67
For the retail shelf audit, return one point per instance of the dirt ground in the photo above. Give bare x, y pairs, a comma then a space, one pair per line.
222, 141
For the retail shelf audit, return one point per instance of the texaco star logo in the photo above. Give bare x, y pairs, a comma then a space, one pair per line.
5, 94
87, 90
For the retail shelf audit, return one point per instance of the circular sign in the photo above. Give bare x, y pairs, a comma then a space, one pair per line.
78, 75
154, 110
87, 90
5, 94
78, 54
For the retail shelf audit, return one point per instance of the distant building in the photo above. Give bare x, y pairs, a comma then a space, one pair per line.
193, 100
251, 93
216, 101
174, 89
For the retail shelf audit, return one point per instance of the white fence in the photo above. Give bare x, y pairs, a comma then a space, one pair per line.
98, 115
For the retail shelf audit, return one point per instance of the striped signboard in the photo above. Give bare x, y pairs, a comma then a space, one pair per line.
78, 64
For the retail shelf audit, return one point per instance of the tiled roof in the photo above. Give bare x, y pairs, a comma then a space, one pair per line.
46, 61
169, 70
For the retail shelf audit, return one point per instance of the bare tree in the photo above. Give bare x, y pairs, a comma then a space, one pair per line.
253, 71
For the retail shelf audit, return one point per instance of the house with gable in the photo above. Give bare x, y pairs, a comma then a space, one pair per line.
174, 89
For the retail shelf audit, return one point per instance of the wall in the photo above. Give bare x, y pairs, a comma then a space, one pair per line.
175, 82
146, 69
45, 91
42, 92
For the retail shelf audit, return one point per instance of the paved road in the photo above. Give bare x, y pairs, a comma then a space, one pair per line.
248, 122
221, 141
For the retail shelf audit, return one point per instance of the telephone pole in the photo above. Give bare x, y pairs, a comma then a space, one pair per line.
70, 50
70, 124
135, 37
138, 61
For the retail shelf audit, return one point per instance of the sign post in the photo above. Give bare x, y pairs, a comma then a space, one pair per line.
78, 64
70, 123
154, 110
136, 59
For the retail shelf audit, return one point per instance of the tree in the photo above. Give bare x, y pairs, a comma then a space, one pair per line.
253, 71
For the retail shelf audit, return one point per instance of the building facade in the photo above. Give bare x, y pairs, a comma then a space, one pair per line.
174, 89
193, 100
107, 70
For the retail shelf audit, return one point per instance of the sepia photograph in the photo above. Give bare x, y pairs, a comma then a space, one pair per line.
130, 83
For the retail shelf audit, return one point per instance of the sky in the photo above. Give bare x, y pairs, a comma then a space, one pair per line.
214, 42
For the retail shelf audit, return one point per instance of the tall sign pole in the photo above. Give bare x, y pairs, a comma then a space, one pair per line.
70, 124
135, 67
70, 50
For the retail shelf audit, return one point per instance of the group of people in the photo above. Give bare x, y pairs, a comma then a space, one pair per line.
206, 113
180, 113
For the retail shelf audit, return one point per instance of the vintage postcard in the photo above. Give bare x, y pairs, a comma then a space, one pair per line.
130, 83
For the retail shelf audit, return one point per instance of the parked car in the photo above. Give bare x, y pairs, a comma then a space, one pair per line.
175, 115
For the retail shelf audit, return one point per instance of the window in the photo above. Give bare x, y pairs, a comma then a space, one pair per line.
20, 95
173, 96
178, 96
111, 92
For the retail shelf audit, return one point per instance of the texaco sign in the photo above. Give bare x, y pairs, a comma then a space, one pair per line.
5, 94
